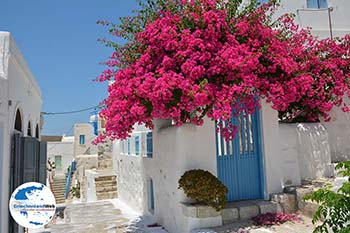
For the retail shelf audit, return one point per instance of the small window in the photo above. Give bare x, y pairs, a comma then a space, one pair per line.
137, 145
129, 147
82, 139
317, 4
151, 196
149, 144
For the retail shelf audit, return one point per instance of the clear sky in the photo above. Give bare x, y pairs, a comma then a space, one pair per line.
58, 39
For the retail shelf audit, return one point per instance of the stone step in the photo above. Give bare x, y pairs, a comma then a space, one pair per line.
105, 178
59, 182
58, 193
107, 195
245, 210
233, 212
106, 188
106, 184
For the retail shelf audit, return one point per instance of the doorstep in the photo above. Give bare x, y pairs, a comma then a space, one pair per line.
233, 212
245, 210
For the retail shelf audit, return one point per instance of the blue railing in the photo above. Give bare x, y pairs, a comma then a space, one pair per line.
72, 169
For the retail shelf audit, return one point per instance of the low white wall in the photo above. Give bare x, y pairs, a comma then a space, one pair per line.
177, 150
90, 185
289, 155
339, 135
131, 180
271, 150
308, 144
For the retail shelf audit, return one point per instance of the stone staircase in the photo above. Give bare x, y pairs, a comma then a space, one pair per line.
106, 187
58, 189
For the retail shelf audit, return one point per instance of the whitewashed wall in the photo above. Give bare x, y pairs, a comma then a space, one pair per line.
339, 135
177, 150
308, 144
318, 20
87, 148
65, 149
18, 90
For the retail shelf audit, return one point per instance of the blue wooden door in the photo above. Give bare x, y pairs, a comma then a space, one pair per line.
239, 161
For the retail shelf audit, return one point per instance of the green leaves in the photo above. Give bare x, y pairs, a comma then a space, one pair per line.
204, 187
334, 210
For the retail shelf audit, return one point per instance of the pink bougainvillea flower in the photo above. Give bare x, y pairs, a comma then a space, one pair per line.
193, 59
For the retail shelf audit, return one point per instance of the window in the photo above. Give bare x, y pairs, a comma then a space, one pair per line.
58, 162
149, 144
137, 145
151, 196
317, 4
82, 139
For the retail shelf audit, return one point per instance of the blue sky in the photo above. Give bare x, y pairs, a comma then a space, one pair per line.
58, 39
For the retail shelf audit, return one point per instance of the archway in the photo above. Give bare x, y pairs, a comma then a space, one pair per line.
18, 121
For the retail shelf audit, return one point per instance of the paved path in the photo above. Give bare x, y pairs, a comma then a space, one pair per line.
302, 226
96, 217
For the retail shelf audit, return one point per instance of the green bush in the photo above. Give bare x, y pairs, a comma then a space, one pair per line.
334, 210
204, 188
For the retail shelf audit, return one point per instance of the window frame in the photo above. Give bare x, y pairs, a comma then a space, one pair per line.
82, 139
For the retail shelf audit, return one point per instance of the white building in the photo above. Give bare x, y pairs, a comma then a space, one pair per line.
20, 107
83, 137
267, 155
60, 149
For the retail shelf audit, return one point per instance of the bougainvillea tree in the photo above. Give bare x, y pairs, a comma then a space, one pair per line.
189, 59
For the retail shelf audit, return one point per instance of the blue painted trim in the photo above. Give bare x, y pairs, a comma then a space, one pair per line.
71, 171
261, 155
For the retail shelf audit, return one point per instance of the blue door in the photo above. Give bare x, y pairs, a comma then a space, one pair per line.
239, 161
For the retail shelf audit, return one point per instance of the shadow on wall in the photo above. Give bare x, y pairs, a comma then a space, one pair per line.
314, 152
339, 135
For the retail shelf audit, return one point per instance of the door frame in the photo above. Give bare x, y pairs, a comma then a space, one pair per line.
261, 155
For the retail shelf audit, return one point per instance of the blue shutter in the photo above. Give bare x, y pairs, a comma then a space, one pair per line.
137, 145
151, 196
149, 141
322, 4
317, 4
312, 3
82, 139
